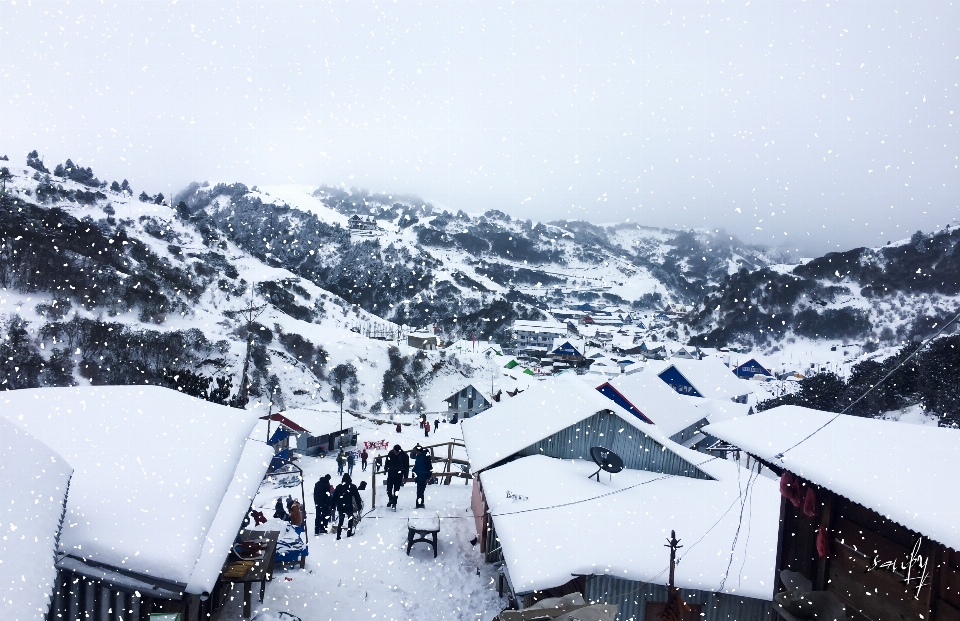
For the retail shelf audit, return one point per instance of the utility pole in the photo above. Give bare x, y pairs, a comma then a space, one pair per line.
251, 313
673, 543
676, 609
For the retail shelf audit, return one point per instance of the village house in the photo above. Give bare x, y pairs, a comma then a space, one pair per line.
466, 402
567, 354
358, 223
705, 378
162, 483
750, 369
869, 518
557, 527
308, 432
677, 418
473, 346
535, 337
602, 319
423, 340
564, 417
688, 352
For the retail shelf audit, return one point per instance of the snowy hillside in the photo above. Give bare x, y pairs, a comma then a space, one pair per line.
416, 264
102, 287
877, 296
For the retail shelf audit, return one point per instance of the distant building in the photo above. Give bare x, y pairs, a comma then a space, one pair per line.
311, 431
707, 378
688, 353
467, 402
656, 352
537, 335
601, 319
750, 368
465, 346
567, 314
422, 340
566, 354
362, 223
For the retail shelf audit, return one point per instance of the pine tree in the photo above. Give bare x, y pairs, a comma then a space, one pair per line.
34, 162
4, 177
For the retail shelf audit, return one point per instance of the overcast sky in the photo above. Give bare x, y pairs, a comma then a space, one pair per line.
807, 125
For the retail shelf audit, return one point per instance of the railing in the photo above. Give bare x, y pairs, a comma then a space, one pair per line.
447, 474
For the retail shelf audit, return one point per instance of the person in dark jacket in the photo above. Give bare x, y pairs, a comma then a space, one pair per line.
348, 501
422, 469
321, 497
279, 512
341, 461
351, 460
397, 467
364, 455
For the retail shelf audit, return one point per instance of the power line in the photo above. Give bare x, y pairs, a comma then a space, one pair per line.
780, 455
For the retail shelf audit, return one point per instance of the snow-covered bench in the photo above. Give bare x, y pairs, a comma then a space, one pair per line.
423, 528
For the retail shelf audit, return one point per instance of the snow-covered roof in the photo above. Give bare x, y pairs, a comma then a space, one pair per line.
718, 410
712, 378
657, 401
319, 423
33, 486
618, 526
422, 335
543, 409
554, 327
162, 480
465, 346
900, 471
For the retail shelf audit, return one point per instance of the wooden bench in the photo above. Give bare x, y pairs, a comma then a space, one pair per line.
423, 528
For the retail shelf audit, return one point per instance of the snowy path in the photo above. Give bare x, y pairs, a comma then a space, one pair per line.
369, 576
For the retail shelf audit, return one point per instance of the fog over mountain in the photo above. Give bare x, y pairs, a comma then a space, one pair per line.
806, 126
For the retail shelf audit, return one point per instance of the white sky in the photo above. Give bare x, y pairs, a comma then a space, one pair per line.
839, 117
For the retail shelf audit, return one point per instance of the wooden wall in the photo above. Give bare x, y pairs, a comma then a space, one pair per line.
860, 539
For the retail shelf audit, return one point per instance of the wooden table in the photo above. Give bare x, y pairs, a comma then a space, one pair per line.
423, 528
261, 571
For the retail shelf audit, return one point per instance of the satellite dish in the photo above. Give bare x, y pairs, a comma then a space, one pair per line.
607, 460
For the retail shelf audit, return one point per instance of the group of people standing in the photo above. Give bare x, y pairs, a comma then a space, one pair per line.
349, 460
344, 500
425, 425
398, 466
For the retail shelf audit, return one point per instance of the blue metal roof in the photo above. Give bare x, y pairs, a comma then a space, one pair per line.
615, 395
750, 368
678, 382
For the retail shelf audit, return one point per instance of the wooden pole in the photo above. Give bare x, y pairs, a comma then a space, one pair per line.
673, 543
373, 485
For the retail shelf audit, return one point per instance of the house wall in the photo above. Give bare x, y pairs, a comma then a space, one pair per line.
78, 597
678, 382
857, 536
467, 402
541, 338
685, 434
631, 597
638, 450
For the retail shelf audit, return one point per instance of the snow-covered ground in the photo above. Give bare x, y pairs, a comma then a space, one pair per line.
369, 575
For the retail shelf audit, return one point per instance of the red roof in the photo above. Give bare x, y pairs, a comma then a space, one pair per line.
280, 418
